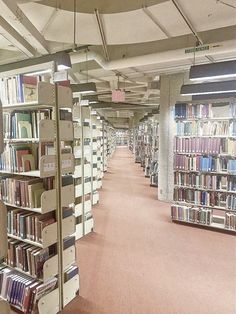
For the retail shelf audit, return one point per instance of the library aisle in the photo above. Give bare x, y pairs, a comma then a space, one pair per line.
137, 262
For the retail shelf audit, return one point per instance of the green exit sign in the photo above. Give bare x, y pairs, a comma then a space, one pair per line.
196, 49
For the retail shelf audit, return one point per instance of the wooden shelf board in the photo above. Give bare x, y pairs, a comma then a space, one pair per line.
206, 172
199, 205
211, 226
36, 210
203, 189
25, 240
33, 173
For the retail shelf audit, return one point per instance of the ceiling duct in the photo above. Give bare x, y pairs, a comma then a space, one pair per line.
154, 58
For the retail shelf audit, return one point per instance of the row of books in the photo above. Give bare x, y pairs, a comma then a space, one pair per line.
206, 198
205, 164
230, 221
27, 225
201, 216
206, 128
22, 158
24, 124
24, 191
192, 214
19, 158
201, 111
205, 145
205, 181
185, 110
28, 258
22, 291
18, 89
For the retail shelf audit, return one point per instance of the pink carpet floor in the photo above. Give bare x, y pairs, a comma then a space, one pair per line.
137, 262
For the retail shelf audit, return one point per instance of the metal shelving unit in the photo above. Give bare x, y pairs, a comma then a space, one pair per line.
49, 95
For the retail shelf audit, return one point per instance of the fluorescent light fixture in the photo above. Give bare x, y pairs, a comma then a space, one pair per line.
38, 72
63, 61
218, 70
213, 96
84, 88
93, 99
209, 88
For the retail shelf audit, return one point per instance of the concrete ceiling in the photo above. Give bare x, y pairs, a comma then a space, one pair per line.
119, 30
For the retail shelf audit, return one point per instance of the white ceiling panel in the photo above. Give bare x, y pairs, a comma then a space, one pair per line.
208, 14
130, 27
5, 44
167, 15
38, 14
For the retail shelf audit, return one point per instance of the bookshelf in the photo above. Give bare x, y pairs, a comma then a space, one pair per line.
37, 188
104, 146
122, 137
111, 140
4, 305
205, 165
146, 146
153, 170
83, 153
96, 155
131, 140
138, 151
99, 151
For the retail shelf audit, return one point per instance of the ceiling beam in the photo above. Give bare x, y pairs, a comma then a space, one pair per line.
12, 13
8, 32
156, 22
49, 22
102, 34
187, 21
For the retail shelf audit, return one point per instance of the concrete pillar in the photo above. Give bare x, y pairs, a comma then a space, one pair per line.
169, 93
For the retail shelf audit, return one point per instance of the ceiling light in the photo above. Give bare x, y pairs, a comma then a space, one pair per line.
213, 96
63, 61
84, 88
218, 70
93, 99
38, 72
208, 88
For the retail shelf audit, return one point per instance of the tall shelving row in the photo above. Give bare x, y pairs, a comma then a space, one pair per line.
131, 139
104, 146
205, 165
83, 175
122, 137
111, 140
4, 304
146, 146
37, 188
98, 133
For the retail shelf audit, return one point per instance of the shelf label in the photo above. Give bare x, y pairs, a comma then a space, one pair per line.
60, 76
49, 166
66, 164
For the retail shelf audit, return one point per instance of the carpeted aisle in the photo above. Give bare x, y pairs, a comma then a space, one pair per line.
137, 262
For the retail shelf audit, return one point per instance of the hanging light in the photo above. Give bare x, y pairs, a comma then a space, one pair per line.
209, 88
218, 70
63, 61
83, 88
